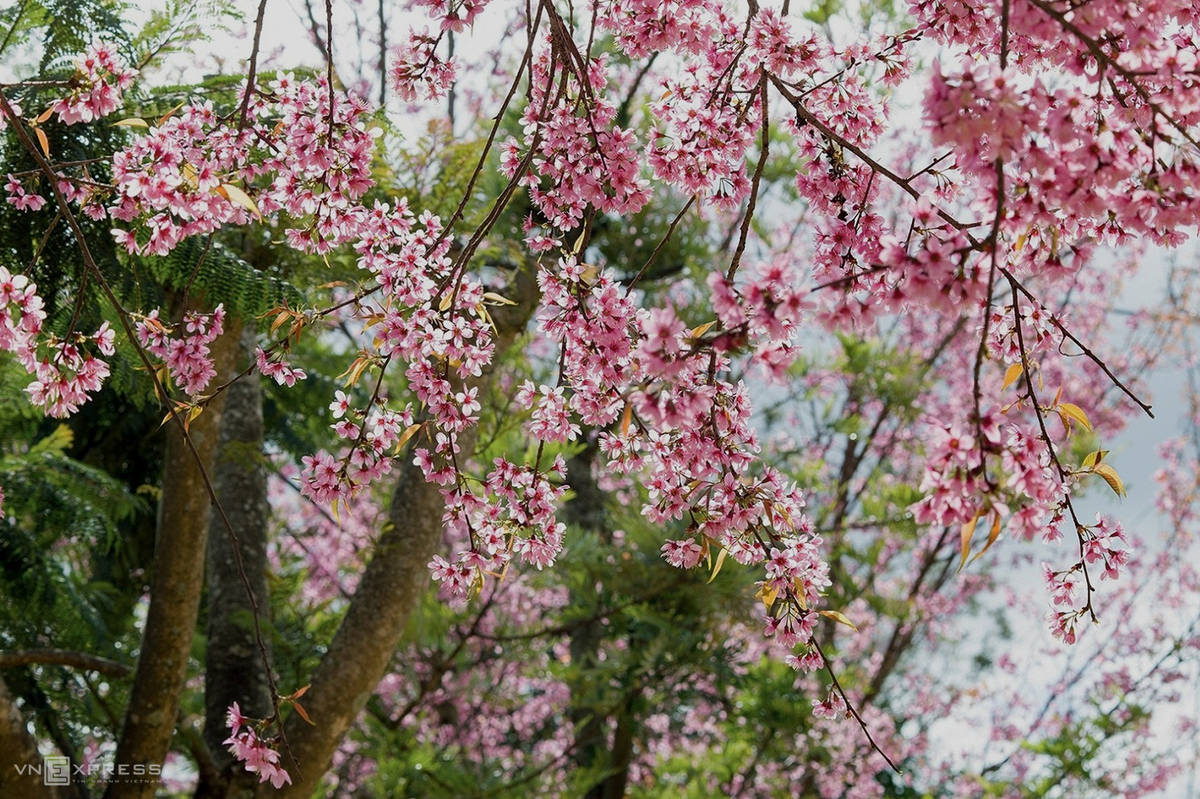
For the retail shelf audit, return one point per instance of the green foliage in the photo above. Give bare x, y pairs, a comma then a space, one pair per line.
59, 515
61, 29
177, 26
211, 270
884, 372
60, 525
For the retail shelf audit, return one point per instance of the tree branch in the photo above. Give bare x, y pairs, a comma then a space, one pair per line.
63, 657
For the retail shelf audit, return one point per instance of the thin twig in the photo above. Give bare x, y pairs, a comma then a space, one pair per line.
850, 707
252, 69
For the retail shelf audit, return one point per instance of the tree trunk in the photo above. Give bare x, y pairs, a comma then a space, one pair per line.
621, 756
233, 664
390, 588
175, 591
19, 755
586, 511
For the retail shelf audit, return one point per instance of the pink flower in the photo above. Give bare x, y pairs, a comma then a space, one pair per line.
234, 718
682, 554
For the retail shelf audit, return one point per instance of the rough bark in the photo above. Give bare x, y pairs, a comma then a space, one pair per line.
19, 755
586, 510
233, 665
175, 590
390, 588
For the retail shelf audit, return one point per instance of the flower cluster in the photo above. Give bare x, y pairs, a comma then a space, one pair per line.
642, 27
686, 434
833, 706
551, 418
765, 312
454, 15
1104, 545
796, 577
21, 312
245, 745
575, 156
65, 369
417, 72
366, 460
22, 199
193, 174
516, 514
187, 356
703, 137
96, 87
66, 373
276, 368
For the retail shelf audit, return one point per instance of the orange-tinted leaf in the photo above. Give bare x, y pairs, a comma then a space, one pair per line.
626, 418
303, 713
993, 535
839, 617
767, 595
355, 371
1111, 477
154, 324
487, 317
192, 413
181, 409
801, 596
238, 197
1073, 412
163, 382
407, 435
968, 530
1011, 374
284, 315
132, 122
720, 562
700, 330
168, 115
42, 140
